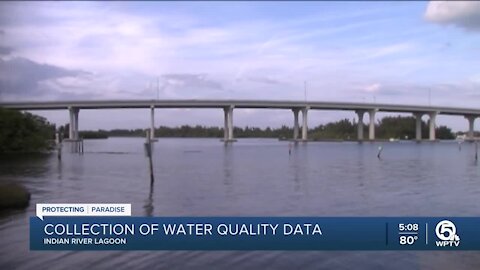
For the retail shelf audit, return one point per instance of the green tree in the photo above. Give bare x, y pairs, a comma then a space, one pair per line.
341, 130
24, 132
444, 133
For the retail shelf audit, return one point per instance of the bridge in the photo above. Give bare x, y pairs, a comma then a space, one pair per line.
228, 106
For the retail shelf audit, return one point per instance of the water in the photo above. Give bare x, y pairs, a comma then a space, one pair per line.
254, 177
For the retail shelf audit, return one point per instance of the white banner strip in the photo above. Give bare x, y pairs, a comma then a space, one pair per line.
83, 209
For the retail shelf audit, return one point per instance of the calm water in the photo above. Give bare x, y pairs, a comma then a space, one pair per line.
254, 177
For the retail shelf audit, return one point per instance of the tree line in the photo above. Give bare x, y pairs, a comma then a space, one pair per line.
398, 127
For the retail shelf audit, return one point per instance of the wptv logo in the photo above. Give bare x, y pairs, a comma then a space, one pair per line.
447, 233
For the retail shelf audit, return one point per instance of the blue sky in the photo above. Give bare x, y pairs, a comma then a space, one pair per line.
388, 52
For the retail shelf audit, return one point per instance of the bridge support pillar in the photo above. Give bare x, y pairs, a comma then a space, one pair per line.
295, 123
418, 126
77, 136
152, 122
305, 124
471, 122
433, 116
73, 127
360, 125
225, 124
228, 124
371, 129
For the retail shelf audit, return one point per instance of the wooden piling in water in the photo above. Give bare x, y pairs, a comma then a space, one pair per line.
148, 148
380, 148
476, 150
58, 145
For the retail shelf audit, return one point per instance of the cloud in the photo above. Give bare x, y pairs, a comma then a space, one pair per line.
23, 77
441, 94
186, 85
264, 80
372, 88
464, 14
191, 80
5, 50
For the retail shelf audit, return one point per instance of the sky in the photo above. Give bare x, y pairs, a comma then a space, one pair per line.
385, 52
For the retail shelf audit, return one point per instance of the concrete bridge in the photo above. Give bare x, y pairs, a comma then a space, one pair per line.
228, 106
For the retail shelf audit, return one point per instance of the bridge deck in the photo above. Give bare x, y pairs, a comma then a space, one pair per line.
253, 104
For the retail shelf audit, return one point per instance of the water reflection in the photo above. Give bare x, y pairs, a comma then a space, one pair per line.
77, 165
360, 168
21, 165
295, 160
149, 202
228, 165
59, 170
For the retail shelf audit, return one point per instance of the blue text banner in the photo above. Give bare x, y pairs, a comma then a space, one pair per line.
255, 233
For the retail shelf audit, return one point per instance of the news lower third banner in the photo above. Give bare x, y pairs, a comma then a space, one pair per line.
70, 227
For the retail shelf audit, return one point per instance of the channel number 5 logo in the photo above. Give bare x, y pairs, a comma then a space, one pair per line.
447, 233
